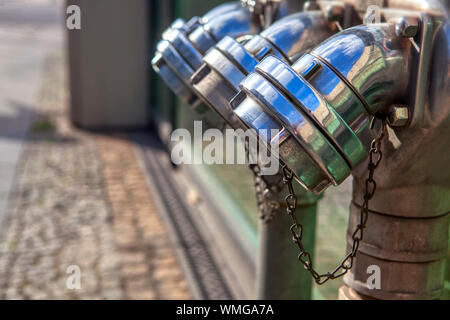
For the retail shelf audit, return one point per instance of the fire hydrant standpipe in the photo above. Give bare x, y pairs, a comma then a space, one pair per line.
378, 65
329, 97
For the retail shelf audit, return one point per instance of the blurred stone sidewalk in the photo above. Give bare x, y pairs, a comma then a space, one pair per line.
81, 199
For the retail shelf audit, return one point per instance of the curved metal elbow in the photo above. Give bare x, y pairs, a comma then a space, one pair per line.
230, 61
372, 60
179, 54
323, 103
234, 23
296, 34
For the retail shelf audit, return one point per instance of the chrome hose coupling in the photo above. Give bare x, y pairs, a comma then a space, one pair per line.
180, 52
322, 105
230, 61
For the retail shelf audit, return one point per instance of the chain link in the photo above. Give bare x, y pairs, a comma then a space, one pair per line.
258, 189
375, 156
264, 191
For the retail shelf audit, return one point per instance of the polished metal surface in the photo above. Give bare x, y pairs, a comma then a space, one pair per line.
314, 147
372, 60
180, 52
338, 95
313, 105
321, 102
301, 127
227, 64
401, 69
297, 33
310, 175
414, 188
338, 86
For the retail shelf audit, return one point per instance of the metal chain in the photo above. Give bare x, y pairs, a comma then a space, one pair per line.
375, 156
268, 207
264, 190
258, 189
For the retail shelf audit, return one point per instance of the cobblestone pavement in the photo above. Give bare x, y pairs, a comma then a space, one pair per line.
29, 32
80, 199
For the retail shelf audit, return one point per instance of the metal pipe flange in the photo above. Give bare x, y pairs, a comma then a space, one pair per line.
252, 115
180, 52
328, 97
230, 61
311, 139
338, 95
311, 104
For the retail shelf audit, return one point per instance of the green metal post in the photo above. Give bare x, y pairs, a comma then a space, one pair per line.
279, 273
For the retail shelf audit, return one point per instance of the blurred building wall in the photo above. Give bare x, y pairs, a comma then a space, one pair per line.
109, 64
